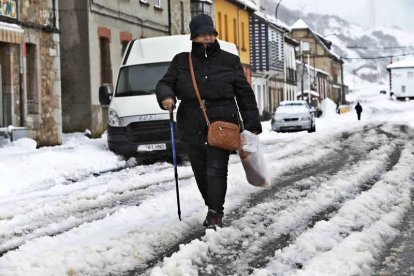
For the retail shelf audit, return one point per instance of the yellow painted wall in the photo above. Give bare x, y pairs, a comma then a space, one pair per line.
237, 28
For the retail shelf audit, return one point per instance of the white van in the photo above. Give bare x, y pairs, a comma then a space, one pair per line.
136, 124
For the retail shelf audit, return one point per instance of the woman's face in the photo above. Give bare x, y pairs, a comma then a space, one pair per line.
205, 38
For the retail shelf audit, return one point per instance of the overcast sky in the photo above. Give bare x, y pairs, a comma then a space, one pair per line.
363, 12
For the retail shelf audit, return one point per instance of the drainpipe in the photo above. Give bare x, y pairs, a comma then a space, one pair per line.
238, 31
21, 71
54, 15
169, 17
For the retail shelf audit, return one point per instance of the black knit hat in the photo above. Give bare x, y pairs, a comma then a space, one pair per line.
202, 24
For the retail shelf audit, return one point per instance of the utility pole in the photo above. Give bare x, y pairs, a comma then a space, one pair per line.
342, 80
304, 46
303, 68
390, 76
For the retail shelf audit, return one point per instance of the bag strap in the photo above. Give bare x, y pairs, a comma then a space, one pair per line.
203, 108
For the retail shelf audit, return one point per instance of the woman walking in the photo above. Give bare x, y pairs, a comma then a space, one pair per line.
220, 79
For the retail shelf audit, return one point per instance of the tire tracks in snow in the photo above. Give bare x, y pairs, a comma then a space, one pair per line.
283, 238
244, 262
318, 171
304, 183
200, 231
31, 217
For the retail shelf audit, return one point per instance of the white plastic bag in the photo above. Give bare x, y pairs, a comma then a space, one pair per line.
252, 158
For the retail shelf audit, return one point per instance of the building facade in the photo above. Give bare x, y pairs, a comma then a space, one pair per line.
290, 92
232, 24
30, 86
402, 78
94, 37
320, 56
267, 62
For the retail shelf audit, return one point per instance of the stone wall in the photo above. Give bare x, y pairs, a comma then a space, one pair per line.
178, 15
45, 126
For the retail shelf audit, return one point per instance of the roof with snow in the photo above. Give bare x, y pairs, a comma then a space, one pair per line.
248, 4
300, 24
271, 20
406, 63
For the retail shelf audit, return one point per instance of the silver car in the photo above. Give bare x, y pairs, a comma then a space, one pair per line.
294, 116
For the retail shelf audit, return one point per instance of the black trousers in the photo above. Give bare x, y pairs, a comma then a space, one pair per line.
359, 115
210, 166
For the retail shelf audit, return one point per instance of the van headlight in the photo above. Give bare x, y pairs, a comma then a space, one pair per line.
113, 118
305, 118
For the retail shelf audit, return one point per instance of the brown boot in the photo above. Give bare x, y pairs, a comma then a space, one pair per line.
213, 219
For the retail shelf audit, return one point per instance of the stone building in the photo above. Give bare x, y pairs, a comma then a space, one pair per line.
30, 90
320, 55
94, 36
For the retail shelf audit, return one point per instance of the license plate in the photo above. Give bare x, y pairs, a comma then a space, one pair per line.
152, 147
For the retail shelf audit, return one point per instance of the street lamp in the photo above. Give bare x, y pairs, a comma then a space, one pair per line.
277, 7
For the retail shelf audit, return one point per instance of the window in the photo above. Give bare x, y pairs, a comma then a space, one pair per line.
124, 44
403, 88
199, 7
409, 75
220, 26
157, 3
235, 31
140, 79
243, 38
105, 58
31, 78
226, 28
125, 38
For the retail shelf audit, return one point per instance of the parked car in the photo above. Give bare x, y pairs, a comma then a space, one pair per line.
294, 116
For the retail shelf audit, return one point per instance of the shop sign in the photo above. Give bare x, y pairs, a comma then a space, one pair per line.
8, 8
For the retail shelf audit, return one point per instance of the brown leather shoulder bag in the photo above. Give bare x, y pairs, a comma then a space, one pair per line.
221, 134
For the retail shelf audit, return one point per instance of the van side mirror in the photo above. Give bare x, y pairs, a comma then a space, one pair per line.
105, 93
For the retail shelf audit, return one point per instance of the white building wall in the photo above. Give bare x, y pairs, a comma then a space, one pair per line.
403, 82
290, 62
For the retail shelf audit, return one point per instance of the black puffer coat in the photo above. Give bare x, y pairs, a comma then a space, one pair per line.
220, 78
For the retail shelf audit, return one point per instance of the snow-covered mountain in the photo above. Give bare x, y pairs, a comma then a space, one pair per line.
366, 51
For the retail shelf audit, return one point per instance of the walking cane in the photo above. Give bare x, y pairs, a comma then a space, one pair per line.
174, 155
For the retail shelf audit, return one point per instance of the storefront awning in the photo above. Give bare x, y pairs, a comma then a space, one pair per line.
11, 33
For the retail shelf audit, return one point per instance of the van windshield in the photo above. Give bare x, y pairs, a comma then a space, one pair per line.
140, 79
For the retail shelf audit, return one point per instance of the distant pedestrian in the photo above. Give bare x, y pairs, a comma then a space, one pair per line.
358, 109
